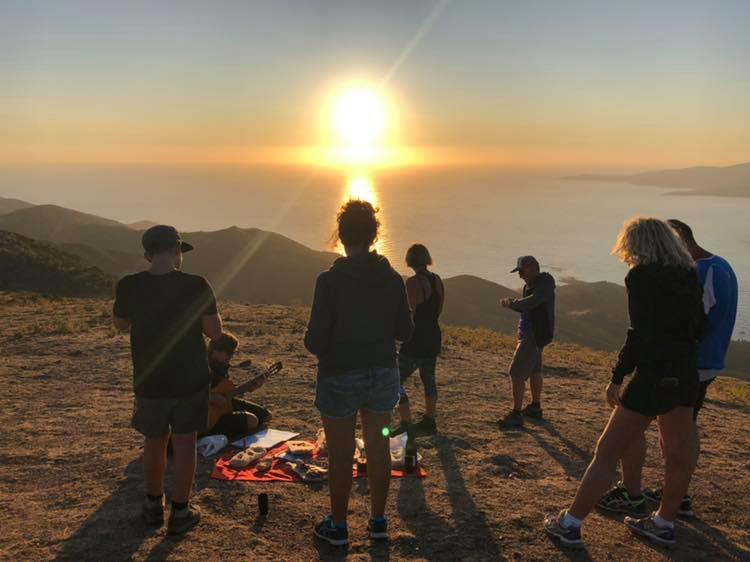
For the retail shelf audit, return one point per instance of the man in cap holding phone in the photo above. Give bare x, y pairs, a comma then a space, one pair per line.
167, 313
535, 330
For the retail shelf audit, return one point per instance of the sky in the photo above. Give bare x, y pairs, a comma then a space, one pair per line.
586, 84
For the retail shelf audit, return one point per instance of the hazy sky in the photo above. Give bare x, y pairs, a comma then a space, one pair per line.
584, 83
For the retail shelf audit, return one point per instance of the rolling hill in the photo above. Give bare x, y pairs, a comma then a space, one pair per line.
30, 265
8, 205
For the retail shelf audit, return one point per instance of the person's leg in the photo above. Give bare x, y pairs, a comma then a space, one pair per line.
681, 449
623, 428
154, 464
184, 462
520, 368
518, 388
632, 466
378, 459
340, 440
535, 381
406, 366
427, 372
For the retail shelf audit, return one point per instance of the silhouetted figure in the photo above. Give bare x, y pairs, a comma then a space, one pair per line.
359, 311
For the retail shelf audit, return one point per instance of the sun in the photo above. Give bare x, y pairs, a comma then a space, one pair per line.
359, 117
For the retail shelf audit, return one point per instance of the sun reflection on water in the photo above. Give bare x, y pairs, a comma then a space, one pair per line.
360, 186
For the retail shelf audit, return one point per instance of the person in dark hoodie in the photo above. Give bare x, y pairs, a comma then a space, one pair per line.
535, 330
359, 311
666, 323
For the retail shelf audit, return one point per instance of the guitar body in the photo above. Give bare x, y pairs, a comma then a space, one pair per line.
215, 411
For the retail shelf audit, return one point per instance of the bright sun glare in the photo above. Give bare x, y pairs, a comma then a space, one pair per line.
359, 117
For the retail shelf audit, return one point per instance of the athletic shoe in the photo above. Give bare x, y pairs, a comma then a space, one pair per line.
568, 536
327, 531
647, 527
182, 520
619, 500
426, 426
533, 411
153, 511
378, 528
512, 420
403, 427
686, 505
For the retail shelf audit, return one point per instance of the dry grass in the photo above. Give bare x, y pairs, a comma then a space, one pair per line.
71, 482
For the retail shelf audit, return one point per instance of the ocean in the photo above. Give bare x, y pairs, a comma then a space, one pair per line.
473, 221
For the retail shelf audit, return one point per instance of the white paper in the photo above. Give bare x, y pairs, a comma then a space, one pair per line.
267, 438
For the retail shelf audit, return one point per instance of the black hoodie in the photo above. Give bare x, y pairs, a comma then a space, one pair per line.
665, 305
359, 311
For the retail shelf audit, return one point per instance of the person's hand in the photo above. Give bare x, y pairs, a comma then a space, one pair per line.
505, 303
216, 398
613, 394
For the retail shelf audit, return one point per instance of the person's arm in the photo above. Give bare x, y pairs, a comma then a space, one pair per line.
404, 320
641, 326
318, 334
412, 292
544, 289
441, 292
120, 307
211, 324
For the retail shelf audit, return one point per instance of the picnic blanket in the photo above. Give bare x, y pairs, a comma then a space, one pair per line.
280, 471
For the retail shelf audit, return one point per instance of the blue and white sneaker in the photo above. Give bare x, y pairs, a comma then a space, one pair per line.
332, 534
568, 536
647, 527
378, 528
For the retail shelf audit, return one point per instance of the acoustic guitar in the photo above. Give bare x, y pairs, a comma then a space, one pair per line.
228, 390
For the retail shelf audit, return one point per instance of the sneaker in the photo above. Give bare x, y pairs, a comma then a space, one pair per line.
619, 500
153, 511
182, 520
327, 531
426, 426
686, 505
512, 420
378, 528
403, 427
568, 536
647, 527
533, 411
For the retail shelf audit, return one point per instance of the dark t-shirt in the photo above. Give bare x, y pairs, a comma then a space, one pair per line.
166, 334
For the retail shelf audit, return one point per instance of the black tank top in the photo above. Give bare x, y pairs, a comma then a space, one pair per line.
427, 338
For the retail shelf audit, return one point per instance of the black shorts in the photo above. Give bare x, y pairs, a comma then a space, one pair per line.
654, 392
702, 388
156, 417
234, 424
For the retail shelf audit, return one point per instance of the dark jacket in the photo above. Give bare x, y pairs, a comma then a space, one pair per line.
666, 320
539, 302
359, 311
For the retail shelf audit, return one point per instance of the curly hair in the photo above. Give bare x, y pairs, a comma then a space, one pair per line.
646, 240
357, 223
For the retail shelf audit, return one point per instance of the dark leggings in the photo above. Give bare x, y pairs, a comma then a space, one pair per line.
234, 424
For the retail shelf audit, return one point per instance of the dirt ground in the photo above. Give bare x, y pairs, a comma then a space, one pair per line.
71, 479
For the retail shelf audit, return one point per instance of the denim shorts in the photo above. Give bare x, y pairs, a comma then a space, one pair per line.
427, 365
374, 389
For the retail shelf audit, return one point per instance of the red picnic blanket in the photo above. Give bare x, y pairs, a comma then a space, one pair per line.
280, 471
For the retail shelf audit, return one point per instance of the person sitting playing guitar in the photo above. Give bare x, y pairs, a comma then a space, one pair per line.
245, 416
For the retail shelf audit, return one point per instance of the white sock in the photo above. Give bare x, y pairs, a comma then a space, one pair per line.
569, 521
662, 523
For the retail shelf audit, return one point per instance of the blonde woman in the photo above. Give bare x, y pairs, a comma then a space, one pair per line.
664, 303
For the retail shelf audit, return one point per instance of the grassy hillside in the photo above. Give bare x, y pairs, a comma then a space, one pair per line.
30, 265
8, 205
71, 484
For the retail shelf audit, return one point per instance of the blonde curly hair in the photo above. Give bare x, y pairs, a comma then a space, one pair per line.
647, 240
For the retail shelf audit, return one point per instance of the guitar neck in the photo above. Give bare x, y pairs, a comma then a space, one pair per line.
252, 384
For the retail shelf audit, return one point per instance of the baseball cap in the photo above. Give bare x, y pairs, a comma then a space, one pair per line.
163, 236
525, 261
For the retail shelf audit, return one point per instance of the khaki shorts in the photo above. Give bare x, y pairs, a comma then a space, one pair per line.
155, 417
527, 360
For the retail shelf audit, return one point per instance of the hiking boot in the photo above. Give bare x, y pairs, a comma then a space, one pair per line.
568, 536
647, 527
153, 511
378, 528
182, 520
533, 411
619, 500
686, 505
332, 534
513, 420
402, 427
426, 426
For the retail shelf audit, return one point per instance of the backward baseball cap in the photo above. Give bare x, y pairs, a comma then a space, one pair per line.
162, 237
525, 261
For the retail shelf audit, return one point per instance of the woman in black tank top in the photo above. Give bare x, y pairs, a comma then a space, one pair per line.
426, 297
